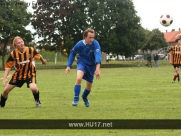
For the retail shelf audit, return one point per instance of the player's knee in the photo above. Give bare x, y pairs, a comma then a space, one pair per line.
88, 88
33, 87
34, 90
78, 80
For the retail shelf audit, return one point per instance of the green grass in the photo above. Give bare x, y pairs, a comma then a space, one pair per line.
121, 93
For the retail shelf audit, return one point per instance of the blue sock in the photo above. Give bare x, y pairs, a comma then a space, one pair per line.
85, 93
77, 89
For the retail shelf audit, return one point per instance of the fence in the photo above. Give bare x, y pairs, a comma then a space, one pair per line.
59, 61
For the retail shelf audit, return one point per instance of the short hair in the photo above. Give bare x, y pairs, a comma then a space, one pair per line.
15, 38
178, 37
177, 40
87, 31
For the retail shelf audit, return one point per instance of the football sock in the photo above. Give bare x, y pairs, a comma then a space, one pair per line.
36, 96
2, 101
175, 76
85, 93
77, 89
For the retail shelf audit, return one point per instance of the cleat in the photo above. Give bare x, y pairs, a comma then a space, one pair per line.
38, 103
173, 81
2, 104
75, 103
86, 102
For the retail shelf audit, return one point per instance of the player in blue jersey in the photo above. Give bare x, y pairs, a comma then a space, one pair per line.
88, 64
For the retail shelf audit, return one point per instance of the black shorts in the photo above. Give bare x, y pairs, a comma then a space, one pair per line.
19, 83
176, 65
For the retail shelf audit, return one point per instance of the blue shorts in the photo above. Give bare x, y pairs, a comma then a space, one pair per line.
88, 72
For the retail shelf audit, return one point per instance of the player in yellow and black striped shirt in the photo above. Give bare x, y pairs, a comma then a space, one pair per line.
22, 58
175, 58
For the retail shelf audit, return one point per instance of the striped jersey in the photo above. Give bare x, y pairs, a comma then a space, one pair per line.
23, 63
176, 54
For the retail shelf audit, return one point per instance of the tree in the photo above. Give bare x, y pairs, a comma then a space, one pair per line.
155, 40
13, 20
60, 20
117, 25
114, 21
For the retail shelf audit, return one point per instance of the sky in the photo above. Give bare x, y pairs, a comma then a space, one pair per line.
150, 11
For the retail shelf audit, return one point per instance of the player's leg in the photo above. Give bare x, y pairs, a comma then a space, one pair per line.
156, 63
148, 63
175, 73
31, 83
178, 77
36, 94
77, 87
5, 93
178, 73
89, 76
86, 93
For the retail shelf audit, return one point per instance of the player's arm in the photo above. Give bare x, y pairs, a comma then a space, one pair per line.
9, 64
71, 58
6, 73
97, 72
170, 52
70, 61
44, 61
39, 56
97, 54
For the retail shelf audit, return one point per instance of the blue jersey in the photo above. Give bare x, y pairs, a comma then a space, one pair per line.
87, 54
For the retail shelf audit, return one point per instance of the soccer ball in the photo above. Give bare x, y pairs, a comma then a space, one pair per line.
166, 20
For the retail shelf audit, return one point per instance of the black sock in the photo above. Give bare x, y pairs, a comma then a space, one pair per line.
2, 101
36, 96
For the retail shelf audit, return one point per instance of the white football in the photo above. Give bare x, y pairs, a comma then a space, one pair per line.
166, 20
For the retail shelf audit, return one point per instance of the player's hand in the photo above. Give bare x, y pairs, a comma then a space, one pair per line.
67, 70
98, 74
44, 61
4, 81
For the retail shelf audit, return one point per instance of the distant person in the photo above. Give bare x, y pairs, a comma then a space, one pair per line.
88, 64
155, 57
22, 58
148, 58
175, 58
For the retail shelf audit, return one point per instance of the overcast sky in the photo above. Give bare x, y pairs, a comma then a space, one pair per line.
150, 11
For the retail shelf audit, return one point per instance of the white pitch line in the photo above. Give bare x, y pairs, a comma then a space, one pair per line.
8, 76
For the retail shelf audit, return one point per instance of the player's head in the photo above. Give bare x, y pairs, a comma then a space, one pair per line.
178, 39
88, 35
18, 42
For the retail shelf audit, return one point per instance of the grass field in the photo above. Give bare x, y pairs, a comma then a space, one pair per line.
121, 93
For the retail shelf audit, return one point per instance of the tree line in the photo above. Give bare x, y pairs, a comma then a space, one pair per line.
59, 24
